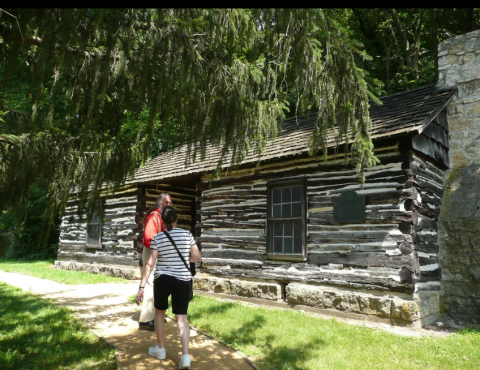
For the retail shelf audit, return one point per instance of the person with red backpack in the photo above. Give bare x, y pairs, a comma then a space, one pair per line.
152, 222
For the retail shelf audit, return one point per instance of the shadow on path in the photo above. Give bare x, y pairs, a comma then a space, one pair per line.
105, 309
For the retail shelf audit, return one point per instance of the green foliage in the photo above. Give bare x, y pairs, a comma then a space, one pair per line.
91, 91
26, 232
403, 42
166, 135
37, 335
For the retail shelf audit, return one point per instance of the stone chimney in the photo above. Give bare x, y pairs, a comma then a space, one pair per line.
459, 220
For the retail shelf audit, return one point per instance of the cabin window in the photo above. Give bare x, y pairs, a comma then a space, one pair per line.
94, 229
286, 220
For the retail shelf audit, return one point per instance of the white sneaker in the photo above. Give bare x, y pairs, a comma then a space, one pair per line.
184, 362
159, 353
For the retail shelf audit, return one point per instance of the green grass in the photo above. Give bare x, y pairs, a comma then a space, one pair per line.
287, 340
35, 334
46, 270
276, 339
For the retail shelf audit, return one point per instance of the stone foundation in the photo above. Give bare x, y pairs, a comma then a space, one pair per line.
116, 271
243, 288
418, 311
402, 310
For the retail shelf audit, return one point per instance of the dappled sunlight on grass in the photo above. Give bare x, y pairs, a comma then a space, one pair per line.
37, 335
277, 339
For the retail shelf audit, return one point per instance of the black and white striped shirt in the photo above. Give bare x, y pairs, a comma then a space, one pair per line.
168, 260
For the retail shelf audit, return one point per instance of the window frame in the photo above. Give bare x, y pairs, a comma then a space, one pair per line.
283, 183
98, 210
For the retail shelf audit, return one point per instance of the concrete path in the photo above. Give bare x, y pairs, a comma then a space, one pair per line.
105, 309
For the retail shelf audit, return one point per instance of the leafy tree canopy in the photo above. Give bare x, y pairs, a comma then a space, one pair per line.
403, 42
85, 92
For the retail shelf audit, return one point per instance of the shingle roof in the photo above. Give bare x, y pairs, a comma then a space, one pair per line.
401, 113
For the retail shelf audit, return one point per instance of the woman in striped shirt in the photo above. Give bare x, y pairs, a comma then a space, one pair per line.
171, 277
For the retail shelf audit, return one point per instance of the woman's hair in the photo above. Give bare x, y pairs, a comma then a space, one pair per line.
169, 216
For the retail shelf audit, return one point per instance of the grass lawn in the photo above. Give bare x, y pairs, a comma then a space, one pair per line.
46, 270
283, 339
276, 339
36, 335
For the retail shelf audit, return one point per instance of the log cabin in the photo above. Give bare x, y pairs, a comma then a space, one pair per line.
294, 229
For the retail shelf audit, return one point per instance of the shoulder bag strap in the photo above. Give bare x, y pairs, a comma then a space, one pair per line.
181, 256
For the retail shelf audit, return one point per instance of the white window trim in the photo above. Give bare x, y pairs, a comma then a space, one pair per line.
286, 256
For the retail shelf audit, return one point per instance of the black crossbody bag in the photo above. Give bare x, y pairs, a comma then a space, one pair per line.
183, 259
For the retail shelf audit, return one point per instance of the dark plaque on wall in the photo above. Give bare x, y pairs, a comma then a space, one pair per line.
349, 207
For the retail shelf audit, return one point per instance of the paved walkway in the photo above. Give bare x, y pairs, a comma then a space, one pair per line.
105, 309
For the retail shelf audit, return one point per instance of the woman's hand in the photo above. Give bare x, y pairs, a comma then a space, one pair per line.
139, 298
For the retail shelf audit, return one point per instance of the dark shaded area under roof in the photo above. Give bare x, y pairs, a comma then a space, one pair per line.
408, 112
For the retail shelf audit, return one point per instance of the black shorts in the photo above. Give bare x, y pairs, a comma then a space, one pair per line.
166, 285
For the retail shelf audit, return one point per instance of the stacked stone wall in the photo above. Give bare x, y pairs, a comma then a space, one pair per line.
459, 220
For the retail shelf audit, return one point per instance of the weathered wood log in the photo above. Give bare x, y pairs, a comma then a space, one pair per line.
255, 242
358, 259
233, 263
77, 247
428, 276
357, 236
232, 254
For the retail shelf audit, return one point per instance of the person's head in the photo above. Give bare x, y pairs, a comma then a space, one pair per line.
169, 217
163, 200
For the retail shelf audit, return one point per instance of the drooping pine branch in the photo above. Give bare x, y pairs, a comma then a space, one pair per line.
222, 76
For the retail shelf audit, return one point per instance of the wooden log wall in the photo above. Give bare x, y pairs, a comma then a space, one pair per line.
433, 141
427, 181
379, 254
122, 225
183, 199
119, 230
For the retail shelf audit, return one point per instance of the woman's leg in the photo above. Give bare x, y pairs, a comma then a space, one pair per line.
160, 327
183, 330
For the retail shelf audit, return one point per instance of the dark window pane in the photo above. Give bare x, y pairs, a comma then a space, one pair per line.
277, 211
297, 244
297, 209
297, 194
287, 245
277, 245
286, 210
278, 229
298, 228
286, 195
288, 228
298, 231
277, 196
93, 234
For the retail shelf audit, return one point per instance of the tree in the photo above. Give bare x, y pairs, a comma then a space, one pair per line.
227, 76
403, 42
24, 231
